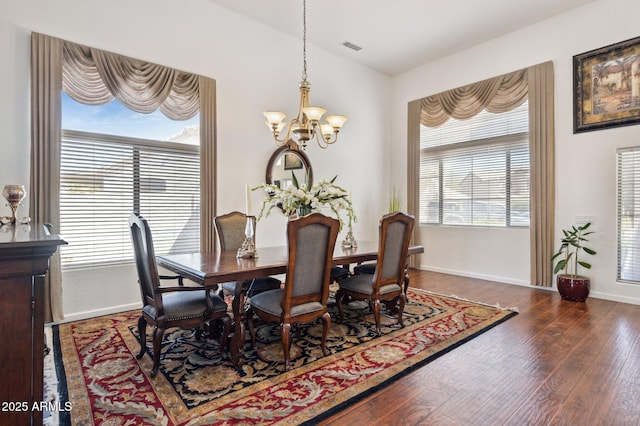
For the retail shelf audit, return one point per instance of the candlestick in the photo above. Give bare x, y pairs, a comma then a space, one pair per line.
248, 208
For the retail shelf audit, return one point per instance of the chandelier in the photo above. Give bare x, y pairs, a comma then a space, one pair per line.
306, 125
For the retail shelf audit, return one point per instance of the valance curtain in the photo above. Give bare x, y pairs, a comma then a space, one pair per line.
95, 77
501, 94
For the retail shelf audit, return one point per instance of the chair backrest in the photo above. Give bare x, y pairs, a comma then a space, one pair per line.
395, 234
145, 257
311, 241
230, 229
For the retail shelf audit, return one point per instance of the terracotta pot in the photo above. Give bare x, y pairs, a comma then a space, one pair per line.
573, 288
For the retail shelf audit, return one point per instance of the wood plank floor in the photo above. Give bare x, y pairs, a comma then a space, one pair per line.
556, 363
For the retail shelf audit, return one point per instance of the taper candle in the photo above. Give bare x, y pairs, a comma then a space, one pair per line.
248, 208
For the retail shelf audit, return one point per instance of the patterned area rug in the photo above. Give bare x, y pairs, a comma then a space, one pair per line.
105, 383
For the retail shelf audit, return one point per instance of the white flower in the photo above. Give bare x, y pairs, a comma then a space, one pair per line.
323, 194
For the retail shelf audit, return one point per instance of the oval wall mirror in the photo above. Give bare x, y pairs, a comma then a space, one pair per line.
286, 162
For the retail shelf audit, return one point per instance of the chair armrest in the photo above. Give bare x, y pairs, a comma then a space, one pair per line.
186, 288
173, 277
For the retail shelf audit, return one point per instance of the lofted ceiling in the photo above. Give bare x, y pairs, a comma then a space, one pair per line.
399, 35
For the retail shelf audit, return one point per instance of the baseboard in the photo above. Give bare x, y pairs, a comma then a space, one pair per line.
594, 294
78, 316
477, 276
615, 298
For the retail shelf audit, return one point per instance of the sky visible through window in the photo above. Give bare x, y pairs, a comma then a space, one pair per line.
115, 119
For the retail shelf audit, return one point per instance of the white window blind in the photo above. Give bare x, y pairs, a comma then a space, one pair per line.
105, 178
475, 172
629, 214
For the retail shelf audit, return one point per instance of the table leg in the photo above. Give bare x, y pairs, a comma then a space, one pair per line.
239, 315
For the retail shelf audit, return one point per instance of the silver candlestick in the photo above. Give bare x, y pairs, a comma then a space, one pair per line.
248, 249
349, 240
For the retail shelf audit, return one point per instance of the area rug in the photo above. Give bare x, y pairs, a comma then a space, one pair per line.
100, 377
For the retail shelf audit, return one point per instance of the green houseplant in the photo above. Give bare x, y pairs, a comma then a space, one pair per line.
571, 285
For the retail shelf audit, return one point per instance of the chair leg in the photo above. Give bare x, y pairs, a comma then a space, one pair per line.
142, 332
158, 332
251, 327
226, 329
339, 296
285, 331
376, 314
402, 299
326, 325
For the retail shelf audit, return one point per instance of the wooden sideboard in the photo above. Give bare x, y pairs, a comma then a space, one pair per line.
25, 251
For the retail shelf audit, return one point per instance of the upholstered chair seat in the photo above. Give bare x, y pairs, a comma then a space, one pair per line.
365, 268
187, 305
362, 284
254, 286
269, 301
338, 273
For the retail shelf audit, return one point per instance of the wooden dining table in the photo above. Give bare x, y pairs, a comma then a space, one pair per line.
210, 269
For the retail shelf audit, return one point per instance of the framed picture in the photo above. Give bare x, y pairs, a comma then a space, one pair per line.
607, 87
292, 162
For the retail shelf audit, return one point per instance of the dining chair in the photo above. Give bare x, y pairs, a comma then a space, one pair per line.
230, 230
387, 284
311, 240
175, 306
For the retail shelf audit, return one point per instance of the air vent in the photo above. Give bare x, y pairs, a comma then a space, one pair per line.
351, 46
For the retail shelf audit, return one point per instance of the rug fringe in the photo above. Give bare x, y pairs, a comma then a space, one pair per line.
51, 395
453, 296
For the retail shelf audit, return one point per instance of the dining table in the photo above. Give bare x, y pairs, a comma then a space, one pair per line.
209, 269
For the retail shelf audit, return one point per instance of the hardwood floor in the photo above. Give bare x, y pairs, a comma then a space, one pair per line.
556, 363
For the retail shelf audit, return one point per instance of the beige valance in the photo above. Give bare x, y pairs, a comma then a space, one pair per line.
95, 77
498, 94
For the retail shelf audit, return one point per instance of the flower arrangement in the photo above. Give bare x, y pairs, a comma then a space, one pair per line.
300, 199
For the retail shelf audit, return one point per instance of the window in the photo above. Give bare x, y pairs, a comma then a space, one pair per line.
629, 215
475, 172
106, 177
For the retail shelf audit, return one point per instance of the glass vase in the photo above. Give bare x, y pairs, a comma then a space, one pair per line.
304, 210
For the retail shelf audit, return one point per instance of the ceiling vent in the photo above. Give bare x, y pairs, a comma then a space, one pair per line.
351, 46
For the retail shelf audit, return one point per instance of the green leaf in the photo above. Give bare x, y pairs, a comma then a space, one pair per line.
588, 250
585, 265
559, 266
295, 180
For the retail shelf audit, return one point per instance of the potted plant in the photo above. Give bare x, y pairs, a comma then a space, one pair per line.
572, 286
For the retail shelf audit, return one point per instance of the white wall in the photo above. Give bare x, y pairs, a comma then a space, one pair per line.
256, 69
585, 163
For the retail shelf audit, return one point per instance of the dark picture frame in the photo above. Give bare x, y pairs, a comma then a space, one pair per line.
292, 162
607, 87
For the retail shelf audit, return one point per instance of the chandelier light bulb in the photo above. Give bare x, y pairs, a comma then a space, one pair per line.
336, 121
314, 113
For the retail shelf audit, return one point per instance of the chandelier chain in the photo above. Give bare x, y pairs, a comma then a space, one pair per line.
304, 40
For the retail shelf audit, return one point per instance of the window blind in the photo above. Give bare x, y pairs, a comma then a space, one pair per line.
105, 178
475, 172
628, 195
